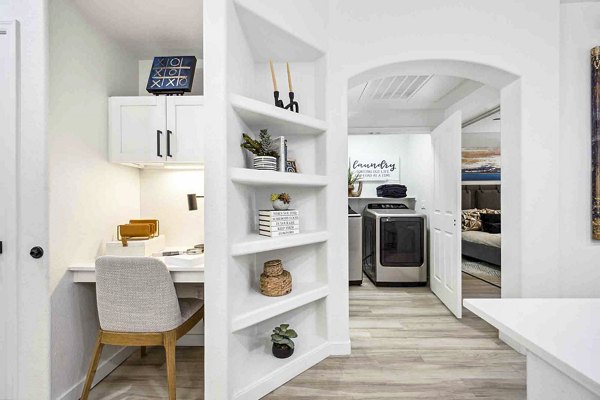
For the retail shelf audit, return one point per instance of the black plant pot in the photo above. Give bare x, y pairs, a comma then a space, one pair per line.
282, 350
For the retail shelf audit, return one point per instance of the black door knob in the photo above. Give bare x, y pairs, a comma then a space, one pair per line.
36, 252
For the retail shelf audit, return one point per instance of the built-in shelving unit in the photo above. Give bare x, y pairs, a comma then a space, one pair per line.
252, 177
253, 33
258, 308
255, 243
259, 115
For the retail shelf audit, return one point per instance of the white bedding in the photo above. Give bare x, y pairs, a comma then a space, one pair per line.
480, 237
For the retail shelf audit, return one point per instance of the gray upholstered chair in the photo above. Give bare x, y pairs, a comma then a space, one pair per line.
138, 306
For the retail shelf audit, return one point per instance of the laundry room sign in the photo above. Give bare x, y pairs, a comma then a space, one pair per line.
375, 168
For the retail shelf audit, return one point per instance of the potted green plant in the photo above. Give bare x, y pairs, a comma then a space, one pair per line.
283, 345
281, 201
352, 178
265, 158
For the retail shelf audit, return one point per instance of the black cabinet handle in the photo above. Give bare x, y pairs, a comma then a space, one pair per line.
169, 133
158, 133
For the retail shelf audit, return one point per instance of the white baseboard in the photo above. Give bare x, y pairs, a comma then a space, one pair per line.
104, 368
518, 347
340, 348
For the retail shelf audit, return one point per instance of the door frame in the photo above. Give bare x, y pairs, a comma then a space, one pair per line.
31, 294
9, 364
509, 84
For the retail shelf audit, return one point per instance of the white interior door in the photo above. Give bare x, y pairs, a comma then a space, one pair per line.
445, 264
8, 211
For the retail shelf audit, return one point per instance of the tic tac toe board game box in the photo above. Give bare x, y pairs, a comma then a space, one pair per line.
171, 75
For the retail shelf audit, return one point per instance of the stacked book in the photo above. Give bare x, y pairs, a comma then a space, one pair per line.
278, 223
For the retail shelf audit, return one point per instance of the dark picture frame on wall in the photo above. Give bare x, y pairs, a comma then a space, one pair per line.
595, 75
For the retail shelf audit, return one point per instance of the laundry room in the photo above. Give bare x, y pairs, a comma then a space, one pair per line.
423, 173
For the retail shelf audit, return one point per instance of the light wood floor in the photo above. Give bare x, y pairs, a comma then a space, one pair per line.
405, 345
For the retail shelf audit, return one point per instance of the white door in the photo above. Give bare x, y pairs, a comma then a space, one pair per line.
137, 129
8, 211
185, 129
445, 264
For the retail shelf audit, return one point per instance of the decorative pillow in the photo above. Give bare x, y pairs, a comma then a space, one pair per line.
471, 220
491, 227
488, 217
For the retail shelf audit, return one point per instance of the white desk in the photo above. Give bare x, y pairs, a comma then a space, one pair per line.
562, 338
86, 272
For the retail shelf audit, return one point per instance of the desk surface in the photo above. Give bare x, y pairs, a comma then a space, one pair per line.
563, 332
86, 272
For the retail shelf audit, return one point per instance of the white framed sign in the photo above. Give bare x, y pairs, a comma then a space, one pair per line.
376, 168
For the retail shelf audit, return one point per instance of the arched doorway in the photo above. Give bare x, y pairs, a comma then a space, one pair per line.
508, 84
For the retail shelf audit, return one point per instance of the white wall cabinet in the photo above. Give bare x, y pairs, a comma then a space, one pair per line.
156, 130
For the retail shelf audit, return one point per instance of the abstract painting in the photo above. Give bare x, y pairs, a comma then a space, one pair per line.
481, 164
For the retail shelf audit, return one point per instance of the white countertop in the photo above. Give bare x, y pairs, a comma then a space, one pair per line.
183, 268
563, 332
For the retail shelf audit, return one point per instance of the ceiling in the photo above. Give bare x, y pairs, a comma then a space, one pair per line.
410, 92
149, 28
418, 103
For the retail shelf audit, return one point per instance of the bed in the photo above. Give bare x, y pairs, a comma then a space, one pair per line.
477, 244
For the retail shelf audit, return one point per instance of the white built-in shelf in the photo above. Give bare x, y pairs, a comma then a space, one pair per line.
263, 372
269, 39
260, 115
258, 307
253, 177
255, 243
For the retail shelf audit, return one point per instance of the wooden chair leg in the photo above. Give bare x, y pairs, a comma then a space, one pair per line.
143, 351
170, 341
93, 365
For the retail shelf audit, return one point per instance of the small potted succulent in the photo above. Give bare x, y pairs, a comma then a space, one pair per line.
352, 179
283, 346
265, 158
281, 201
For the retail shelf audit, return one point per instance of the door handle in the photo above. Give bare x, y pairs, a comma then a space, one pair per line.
169, 133
158, 133
36, 252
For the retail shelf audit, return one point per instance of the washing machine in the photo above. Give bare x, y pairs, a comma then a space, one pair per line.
394, 245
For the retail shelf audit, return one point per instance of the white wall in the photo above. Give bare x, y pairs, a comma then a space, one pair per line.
89, 196
163, 196
34, 304
484, 139
512, 36
579, 254
414, 155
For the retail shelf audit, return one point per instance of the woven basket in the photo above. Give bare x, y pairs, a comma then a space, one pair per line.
273, 268
274, 286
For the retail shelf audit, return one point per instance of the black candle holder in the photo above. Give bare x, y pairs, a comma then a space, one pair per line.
278, 103
293, 106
